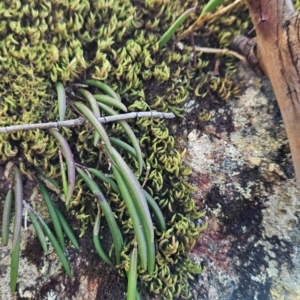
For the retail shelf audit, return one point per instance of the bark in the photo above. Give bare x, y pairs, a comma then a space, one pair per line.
277, 54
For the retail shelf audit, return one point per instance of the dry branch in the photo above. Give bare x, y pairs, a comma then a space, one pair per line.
81, 120
277, 54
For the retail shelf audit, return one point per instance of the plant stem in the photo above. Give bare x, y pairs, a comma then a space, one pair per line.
207, 17
81, 121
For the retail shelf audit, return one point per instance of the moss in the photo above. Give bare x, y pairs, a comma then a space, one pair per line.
296, 3
43, 42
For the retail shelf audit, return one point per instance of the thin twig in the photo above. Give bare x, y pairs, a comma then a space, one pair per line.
146, 176
81, 121
221, 51
207, 17
194, 50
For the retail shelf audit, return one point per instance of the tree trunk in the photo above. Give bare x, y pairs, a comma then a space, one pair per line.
277, 54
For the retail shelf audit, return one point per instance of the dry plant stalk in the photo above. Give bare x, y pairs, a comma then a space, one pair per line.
207, 17
81, 121
277, 54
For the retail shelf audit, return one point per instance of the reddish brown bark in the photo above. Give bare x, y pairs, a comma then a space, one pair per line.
277, 52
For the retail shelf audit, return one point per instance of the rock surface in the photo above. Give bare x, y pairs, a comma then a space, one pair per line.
251, 248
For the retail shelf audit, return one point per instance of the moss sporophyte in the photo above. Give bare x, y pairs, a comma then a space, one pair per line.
46, 49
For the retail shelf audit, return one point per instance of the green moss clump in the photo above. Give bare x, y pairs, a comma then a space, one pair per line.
43, 42
296, 3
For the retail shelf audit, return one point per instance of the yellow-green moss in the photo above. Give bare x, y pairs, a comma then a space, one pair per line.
42, 42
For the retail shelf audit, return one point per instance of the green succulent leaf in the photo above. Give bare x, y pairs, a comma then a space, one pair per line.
111, 101
15, 254
132, 275
211, 6
14, 265
18, 192
105, 179
95, 123
53, 214
96, 241
130, 134
135, 197
111, 221
6, 217
159, 218
63, 176
57, 248
38, 230
61, 95
124, 146
156, 211
95, 109
136, 192
169, 33
66, 228
136, 220
102, 86
68, 155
